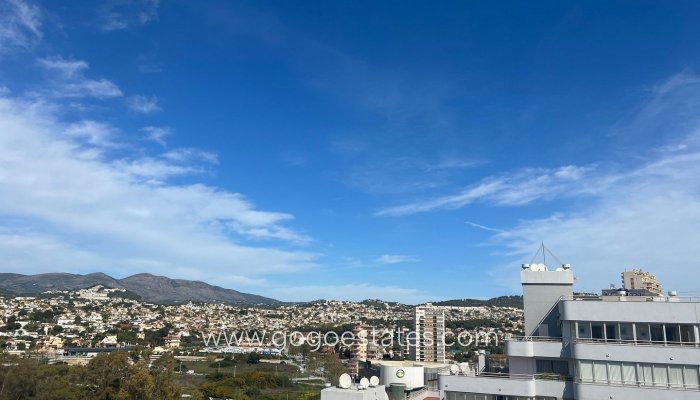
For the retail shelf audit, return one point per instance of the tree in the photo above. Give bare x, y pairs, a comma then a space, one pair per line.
163, 371
138, 384
18, 377
105, 374
11, 324
32, 327
253, 358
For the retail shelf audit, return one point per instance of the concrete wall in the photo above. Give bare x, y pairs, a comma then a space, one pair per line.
643, 354
413, 377
507, 386
477, 384
537, 349
630, 311
372, 393
541, 292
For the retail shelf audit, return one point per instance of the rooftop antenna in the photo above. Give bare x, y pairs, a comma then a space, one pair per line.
345, 381
544, 250
364, 382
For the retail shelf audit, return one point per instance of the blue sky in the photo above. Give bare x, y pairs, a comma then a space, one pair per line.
403, 151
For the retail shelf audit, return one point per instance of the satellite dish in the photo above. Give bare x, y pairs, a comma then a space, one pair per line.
364, 382
374, 381
345, 381
454, 369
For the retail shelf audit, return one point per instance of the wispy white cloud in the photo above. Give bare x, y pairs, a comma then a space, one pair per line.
143, 104
157, 134
70, 80
521, 187
20, 25
188, 154
66, 207
646, 215
93, 132
126, 14
396, 259
483, 227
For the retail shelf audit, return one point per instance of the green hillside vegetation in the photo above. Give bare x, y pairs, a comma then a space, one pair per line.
124, 376
502, 301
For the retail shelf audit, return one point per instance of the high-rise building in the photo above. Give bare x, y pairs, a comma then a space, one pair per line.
617, 346
368, 344
429, 343
638, 279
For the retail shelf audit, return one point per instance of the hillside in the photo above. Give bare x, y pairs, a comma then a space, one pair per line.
502, 301
151, 288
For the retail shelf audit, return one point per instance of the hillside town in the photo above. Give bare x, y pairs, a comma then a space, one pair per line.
62, 322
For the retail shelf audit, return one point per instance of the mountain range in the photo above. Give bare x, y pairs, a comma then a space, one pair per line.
164, 290
150, 288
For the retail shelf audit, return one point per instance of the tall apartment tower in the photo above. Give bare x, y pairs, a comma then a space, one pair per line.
638, 279
430, 333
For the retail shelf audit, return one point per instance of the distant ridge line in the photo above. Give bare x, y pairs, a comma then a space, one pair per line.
151, 288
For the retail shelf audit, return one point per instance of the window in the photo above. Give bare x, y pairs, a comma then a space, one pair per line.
690, 375
643, 332
584, 370
648, 377
626, 332
673, 333
552, 367
657, 332
660, 375
632, 374
600, 373
596, 330
629, 373
687, 333
615, 372
611, 331
675, 375
584, 331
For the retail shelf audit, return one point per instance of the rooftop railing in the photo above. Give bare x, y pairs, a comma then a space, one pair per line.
661, 299
602, 341
521, 377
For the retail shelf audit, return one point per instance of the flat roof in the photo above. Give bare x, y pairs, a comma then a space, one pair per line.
408, 363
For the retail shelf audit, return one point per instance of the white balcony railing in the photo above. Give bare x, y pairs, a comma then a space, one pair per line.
602, 341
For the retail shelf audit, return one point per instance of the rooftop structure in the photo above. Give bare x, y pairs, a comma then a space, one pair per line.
605, 347
638, 279
354, 393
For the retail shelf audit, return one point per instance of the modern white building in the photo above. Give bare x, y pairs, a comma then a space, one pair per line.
430, 334
590, 348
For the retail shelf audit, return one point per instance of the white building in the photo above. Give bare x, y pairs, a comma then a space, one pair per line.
590, 348
354, 393
429, 344
638, 279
